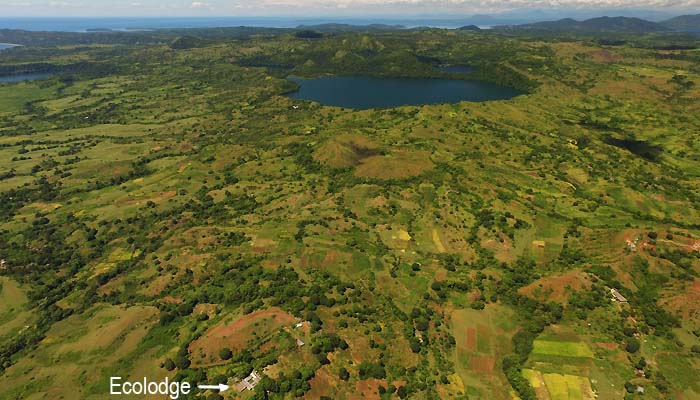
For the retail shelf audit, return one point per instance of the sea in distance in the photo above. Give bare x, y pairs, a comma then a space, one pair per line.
141, 23
361, 92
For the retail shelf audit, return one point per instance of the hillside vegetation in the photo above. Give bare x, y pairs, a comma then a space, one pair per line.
165, 211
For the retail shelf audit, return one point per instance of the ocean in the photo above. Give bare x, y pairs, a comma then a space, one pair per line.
126, 24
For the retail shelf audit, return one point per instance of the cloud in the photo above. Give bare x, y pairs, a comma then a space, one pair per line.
474, 4
310, 8
64, 4
479, 4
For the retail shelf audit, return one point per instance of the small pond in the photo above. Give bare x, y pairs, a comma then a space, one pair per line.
640, 148
23, 77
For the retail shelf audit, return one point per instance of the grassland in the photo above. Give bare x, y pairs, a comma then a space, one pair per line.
162, 204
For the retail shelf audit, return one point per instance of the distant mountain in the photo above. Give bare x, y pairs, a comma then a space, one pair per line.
188, 42
470, 28
532, 16
685, 23
593, 25
336, 27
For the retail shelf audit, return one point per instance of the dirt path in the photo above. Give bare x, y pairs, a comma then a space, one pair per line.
438, 243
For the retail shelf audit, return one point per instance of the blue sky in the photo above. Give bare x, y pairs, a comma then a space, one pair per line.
114, 8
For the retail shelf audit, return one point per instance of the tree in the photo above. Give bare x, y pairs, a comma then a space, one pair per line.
225, 353
422, 324
402, 392
632, 345
344, 374
169, 364
372, 370
182, 362
414, 344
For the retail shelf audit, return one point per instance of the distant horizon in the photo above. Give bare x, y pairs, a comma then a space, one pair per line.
383, 9
80, 23
516, 13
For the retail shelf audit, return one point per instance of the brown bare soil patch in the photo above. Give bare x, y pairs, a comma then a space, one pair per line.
111, 286
261, 245
607, 345
482, 364
157, 285
685, 303
399, 165
368, 389
204, 308
441, 275
172, 300
238, 334
557, 288
330, 258
605, 56
163, 196
345, 151
186, 147
322, 384
470, 342
626, 88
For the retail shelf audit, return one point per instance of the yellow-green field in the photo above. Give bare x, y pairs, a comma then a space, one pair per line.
563, 349
550, 386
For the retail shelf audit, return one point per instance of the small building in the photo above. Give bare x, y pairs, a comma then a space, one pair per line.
617, 296
640, 390
419, 336
299, 325
540, 244
300, 342
249, 382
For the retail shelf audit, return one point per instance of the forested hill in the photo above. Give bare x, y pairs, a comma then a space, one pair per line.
593, 25
687, 23
35, 38
600, 25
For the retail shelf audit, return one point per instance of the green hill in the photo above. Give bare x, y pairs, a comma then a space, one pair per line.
686, 23
593, 25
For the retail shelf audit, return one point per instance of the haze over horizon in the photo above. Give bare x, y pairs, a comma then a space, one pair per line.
344, 8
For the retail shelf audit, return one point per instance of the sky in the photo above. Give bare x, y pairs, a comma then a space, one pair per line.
207, 8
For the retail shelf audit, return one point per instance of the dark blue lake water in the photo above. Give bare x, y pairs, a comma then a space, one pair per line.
365, 92
23, 77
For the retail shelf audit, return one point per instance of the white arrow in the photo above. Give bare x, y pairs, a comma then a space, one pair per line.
221, 387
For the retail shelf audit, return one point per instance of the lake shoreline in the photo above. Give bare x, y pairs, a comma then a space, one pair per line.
366, 92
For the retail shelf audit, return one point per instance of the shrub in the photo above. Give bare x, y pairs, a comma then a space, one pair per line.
225, 353
632, 345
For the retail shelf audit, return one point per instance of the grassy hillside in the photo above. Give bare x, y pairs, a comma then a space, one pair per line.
167, 211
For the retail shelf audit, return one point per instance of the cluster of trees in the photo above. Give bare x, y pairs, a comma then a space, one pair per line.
297, 383
14, 199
